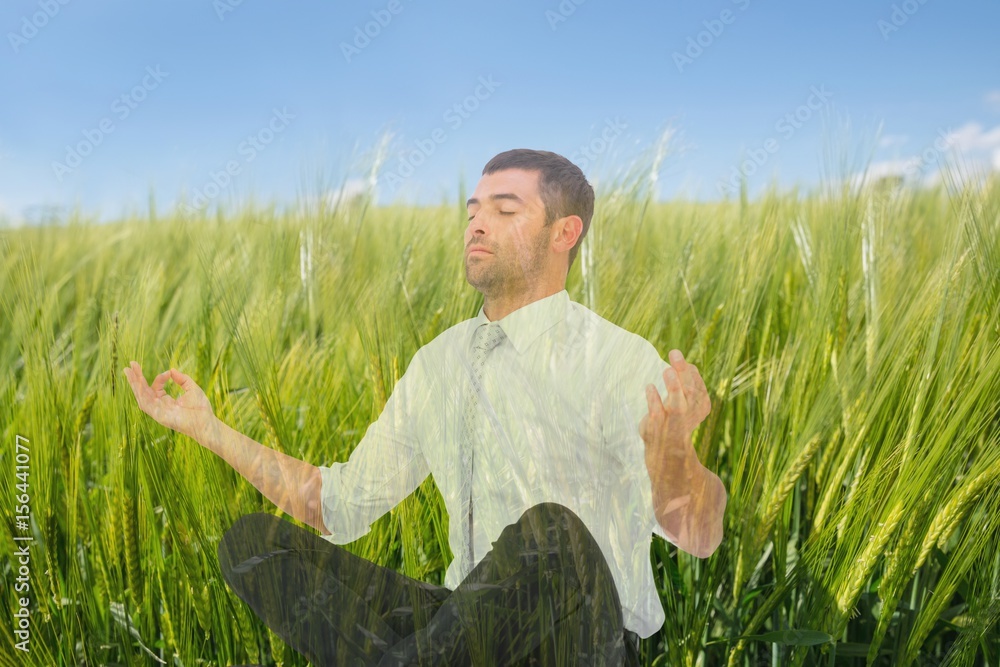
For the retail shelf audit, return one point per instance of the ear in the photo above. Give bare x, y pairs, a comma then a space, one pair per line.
566, 231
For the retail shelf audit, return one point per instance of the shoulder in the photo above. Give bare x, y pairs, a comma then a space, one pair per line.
624, 350
438, 351
445, 341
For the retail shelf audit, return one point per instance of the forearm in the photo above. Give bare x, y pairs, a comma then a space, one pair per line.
291, 484
689, 501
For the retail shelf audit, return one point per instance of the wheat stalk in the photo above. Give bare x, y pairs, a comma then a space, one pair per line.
84, 415
788, 480
954, 510
272, 434
836, 480
866, 561
165, 618
132, 563
277, 647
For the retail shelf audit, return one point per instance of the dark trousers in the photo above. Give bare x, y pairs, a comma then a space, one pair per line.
542, 596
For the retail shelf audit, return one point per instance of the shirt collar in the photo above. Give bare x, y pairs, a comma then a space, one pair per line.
527, 323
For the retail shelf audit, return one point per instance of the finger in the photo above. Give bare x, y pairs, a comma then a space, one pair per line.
683, 369
183, 380
139, 380
143, 394
653, 400
159, 381
137, 376
135, 386
675, 392
687, 378
676, 359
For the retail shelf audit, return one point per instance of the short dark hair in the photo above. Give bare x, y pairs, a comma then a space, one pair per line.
563, 187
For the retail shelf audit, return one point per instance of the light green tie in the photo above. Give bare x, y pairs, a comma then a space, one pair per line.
486, 337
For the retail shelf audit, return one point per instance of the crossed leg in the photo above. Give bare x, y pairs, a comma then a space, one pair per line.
543, 595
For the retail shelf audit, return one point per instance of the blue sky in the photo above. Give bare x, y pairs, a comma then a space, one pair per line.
104, 100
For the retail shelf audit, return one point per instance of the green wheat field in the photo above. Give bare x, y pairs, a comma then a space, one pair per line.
848, 338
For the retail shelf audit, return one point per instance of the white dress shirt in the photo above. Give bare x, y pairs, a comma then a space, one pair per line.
564, 396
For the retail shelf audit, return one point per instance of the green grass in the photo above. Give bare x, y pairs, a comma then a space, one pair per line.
849, 341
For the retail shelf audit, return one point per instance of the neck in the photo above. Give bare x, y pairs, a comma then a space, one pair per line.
498, 306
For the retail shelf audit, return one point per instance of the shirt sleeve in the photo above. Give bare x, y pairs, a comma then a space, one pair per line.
639, 365
384, 468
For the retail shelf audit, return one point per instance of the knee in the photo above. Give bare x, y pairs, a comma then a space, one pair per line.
552, 514
556, 521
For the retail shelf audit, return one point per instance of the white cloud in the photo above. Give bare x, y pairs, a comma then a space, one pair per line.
883, 168
973, 148
970, 138
352, 188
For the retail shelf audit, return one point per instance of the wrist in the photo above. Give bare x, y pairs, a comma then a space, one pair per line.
203, 429
675, 453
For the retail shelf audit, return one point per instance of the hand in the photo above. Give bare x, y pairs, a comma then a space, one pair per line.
185, 414
671, 423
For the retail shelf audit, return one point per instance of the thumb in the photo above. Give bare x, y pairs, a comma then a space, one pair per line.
183, 380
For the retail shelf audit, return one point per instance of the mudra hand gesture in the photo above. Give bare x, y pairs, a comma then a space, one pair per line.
668, 426
185, 414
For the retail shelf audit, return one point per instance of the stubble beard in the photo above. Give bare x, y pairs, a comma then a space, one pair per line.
499, 274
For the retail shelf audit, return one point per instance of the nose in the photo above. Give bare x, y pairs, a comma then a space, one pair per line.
475, 232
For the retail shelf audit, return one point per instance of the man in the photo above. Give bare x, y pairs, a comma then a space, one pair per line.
545, 431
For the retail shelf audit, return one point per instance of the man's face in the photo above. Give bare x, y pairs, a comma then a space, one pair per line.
507, 218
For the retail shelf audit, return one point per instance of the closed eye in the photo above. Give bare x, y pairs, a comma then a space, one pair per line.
501, 213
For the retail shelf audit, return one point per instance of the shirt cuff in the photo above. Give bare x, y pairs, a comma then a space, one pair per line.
336, 515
